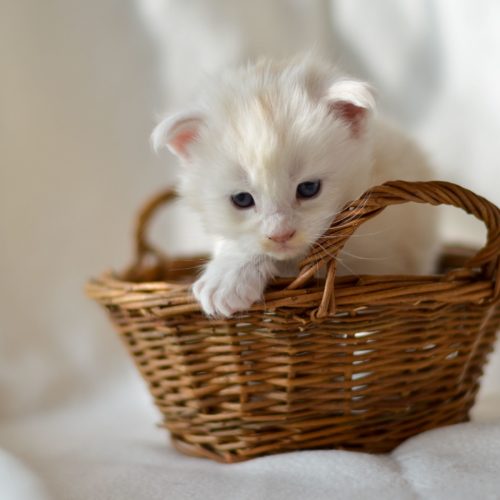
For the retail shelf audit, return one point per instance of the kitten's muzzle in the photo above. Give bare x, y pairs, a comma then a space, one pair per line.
282, 237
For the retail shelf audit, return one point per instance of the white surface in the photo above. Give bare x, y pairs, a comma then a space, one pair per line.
106, 447
77, 101
17, 482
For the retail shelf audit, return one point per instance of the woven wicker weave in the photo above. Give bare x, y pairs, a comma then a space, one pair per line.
356, 363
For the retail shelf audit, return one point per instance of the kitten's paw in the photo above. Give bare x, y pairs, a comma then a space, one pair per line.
222, 291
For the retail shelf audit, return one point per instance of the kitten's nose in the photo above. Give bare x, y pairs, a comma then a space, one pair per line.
282, 237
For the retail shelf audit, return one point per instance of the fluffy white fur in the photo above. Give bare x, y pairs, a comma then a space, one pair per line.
265, 128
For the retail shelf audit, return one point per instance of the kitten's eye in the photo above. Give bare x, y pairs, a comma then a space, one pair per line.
308, 189
243, 200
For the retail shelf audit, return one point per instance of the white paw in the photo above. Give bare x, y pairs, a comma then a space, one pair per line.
223, 289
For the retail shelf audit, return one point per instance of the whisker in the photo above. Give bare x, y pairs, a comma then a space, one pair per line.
354, 235
191, 268
348, 268
364, 258
337, 259
356, 212
343, 222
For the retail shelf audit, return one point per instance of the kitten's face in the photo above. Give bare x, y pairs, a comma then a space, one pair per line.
276, 152
273, 180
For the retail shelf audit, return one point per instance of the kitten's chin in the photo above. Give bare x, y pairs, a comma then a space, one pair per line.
286, 253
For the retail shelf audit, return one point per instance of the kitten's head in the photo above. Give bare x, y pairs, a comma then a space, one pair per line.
272, 152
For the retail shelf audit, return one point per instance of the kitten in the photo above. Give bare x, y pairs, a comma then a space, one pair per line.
270, 153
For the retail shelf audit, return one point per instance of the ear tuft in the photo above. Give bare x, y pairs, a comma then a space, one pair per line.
177, 132
352, 102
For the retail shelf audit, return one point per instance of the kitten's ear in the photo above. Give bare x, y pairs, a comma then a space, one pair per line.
352, 102
177, 133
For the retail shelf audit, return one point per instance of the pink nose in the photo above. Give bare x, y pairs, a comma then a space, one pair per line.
282, 237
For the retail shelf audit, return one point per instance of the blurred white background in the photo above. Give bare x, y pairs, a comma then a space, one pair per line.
82, 84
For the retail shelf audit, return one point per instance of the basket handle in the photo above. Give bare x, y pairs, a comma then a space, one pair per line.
373, 201
142, 246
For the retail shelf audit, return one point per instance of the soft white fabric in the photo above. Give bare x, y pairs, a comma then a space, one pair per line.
106, 448
17, 482
78, 94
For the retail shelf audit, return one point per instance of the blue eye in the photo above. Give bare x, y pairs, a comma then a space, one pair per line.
308, 189
243, 200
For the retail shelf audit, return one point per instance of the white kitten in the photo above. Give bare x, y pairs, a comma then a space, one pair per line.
270, 153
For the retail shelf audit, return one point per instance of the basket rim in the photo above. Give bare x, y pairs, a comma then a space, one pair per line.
111, 288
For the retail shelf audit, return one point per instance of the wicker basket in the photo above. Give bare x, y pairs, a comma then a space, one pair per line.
358, 363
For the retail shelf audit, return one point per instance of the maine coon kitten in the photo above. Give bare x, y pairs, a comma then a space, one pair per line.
270, 153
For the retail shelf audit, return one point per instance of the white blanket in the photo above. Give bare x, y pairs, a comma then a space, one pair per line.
17, 482
106, 448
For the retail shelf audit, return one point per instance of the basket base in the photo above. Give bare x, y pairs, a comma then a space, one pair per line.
385, 446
